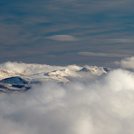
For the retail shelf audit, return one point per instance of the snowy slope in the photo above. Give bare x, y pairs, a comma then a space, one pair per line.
20, 76
7, 73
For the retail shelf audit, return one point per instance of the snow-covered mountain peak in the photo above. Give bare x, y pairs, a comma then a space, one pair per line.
21, 75
61, 72
94, 70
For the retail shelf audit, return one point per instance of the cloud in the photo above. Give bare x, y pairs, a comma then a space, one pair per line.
37, 20
102, 54
126, 63
90, 6
62, 38
122, 40
104, 106
27, 68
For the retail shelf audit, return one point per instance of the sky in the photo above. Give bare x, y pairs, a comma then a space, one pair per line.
65, 32
62, 32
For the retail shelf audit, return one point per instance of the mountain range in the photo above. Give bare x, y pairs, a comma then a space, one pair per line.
14, 80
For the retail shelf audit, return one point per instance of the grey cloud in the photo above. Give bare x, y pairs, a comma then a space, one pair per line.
96, 6
102, 54
122, 40
35, 20
62, 38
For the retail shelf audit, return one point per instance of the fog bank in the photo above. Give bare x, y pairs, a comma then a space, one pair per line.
102, 106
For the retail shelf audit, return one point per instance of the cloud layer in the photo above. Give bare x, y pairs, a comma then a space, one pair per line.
104, 106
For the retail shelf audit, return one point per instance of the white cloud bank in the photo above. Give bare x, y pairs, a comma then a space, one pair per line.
62, 38
126, 63
104, 106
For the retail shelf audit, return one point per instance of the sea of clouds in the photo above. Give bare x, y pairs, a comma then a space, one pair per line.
101, 106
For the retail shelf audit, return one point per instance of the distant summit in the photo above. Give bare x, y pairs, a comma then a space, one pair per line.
84, 69
94, 70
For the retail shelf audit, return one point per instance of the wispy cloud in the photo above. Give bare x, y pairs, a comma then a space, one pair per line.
122, 40
102, 54
62, 38
37, 20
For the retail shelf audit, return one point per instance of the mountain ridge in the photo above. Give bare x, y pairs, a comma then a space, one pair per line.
13, 80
